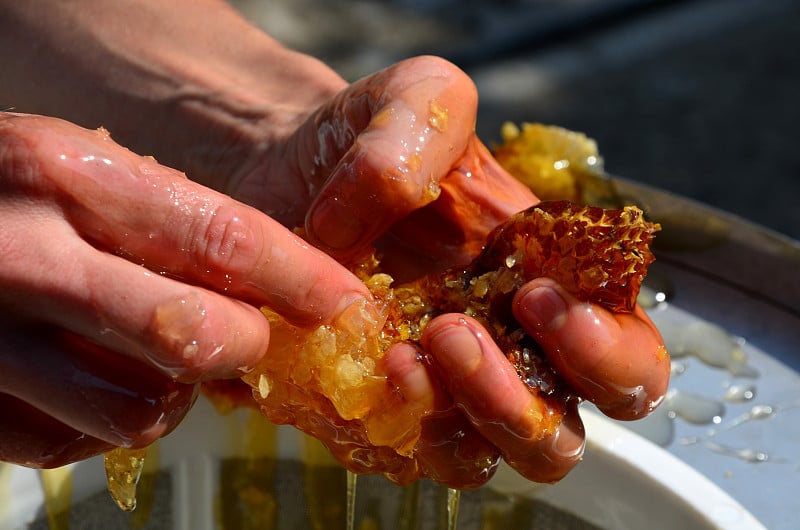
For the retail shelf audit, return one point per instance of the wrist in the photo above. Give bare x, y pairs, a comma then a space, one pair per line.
189, 82
240, 110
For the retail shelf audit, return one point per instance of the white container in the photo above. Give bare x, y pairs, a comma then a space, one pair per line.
624, 482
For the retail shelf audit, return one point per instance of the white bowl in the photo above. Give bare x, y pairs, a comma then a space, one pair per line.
624, 482
627, 482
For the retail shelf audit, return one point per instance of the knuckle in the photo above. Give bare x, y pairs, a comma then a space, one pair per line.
18, 161
458, 78
223, 240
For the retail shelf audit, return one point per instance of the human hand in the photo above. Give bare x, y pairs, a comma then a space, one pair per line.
379, 164
123, 284
394, 160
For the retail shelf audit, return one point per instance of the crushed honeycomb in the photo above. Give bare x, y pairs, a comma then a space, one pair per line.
328, 381
555, 163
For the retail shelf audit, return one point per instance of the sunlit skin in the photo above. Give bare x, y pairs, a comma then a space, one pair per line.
101, 246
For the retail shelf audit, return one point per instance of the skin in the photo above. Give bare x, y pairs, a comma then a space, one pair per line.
113, 263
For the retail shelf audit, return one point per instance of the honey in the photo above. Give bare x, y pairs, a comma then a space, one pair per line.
328, 381
123, 470
556, 163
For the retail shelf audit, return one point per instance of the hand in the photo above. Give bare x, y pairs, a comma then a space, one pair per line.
229, 117
394, 160
123, 284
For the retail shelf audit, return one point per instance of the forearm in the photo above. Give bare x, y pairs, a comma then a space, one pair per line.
189, 81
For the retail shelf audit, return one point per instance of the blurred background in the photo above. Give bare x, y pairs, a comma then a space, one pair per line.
696, 97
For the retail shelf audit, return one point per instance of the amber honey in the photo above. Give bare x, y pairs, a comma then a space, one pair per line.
328, 381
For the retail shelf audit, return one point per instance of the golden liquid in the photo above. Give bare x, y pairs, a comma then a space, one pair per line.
57, 487
123, 471
146, 489
352, 481
453, 497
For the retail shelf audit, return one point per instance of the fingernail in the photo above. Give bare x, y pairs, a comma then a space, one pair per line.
334, 225
543, 307
358, 314
457, 349
176, 323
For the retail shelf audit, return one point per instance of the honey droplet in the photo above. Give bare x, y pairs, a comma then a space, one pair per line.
123, 470
438, 117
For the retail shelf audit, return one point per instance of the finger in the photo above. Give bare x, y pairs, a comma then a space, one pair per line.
29, 437
450, 450
475, 197
617, 361
387, 140
109, 397
187, 332
153, 215
542, 440
454, 453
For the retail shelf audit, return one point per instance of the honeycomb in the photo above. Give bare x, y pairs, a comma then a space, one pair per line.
328, 381
556, 163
